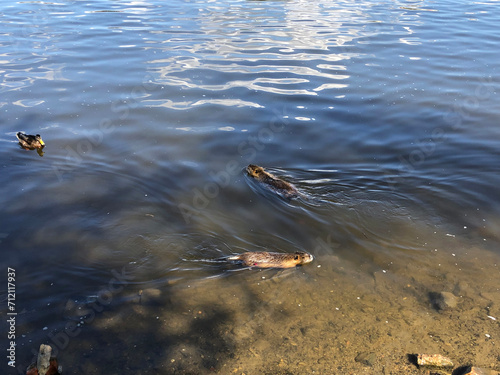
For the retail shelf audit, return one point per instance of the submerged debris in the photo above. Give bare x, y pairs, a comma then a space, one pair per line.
443, 300
46, 364
437, 364
43, 362
480, 371
434, 360
366, 358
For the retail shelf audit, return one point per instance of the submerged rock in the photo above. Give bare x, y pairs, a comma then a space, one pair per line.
433, 364
480, 371
366, 358
46, 364
449, 299
435, 360
43, 361
443, 300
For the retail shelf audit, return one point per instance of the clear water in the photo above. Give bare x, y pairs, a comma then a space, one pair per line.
383, 114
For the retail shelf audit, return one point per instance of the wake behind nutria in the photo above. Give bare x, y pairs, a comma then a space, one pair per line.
264, 259
285, 189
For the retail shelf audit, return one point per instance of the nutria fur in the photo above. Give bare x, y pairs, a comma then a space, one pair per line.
276, 184
30, 141
264, 259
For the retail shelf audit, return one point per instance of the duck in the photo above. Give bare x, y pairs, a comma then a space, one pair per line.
30, 141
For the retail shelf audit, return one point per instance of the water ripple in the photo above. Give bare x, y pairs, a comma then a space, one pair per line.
289, 50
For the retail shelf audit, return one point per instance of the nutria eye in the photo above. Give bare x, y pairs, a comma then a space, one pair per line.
296, 257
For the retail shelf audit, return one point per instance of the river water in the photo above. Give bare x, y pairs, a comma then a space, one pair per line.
383, 114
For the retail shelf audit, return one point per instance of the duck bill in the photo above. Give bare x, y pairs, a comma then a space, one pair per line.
42, 142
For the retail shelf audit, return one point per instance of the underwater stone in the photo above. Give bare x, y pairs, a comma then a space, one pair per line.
44, 358
480, 371
449, 299
434, 360
366, 358
443, 300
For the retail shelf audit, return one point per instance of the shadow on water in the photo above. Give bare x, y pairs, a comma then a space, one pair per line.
127, 326
170, 339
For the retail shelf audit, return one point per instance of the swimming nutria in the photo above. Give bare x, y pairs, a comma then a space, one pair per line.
276, 184
30, 141
264, 259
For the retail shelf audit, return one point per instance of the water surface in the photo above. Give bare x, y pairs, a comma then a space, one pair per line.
383, 114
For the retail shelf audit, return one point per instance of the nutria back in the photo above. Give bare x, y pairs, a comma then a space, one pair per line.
274, 183
264, 259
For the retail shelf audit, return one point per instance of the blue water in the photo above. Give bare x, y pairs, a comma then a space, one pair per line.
383, 114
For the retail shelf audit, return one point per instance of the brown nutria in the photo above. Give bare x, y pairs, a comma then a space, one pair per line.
264, 259
285, 189
30, 142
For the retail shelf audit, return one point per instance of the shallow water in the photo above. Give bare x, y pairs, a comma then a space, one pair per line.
383, 114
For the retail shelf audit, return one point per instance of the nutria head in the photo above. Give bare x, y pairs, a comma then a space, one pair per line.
255, 171
302, 257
